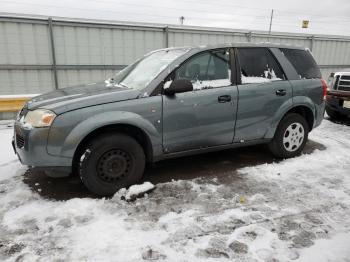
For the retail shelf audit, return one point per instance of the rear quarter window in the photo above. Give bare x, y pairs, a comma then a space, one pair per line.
303, 62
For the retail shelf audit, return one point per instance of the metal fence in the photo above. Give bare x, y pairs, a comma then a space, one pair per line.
39, 54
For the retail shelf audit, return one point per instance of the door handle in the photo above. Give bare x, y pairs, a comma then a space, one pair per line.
281, 92
224, 98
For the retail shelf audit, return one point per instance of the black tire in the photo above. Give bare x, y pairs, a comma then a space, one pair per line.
111, 162
278, 147
333, 114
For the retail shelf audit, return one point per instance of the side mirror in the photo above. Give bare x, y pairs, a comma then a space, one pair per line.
179, 86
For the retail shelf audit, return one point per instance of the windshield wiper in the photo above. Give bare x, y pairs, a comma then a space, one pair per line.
113, 82
123, 85
110, 81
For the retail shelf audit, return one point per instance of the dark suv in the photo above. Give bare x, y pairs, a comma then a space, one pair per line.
174, 102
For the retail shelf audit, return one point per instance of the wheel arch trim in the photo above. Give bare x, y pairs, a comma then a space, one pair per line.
295, 108
105, 120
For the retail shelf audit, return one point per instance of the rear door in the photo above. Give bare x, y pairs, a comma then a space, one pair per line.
204, 117
263, 90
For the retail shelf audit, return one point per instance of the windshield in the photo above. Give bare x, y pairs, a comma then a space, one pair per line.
139, 74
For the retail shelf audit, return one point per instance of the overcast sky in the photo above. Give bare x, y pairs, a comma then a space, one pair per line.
326, 16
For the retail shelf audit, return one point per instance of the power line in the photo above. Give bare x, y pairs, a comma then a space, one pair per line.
333, 19
265, 9
218, 12
116, 12
135, 13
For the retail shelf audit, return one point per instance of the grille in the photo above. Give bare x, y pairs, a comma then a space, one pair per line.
19, 141
344, 88
345, 77
344, 83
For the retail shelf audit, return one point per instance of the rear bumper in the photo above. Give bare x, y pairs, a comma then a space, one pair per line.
30, 147
339, 94
319, 114
335, 101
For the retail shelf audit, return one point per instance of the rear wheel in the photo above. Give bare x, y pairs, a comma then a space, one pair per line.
110, 162
290, 137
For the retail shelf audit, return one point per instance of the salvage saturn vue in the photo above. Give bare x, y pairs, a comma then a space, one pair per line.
173, 102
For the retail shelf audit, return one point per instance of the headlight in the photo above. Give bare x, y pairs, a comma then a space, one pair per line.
39, 118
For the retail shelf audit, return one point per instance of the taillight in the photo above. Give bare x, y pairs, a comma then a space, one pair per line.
324, 86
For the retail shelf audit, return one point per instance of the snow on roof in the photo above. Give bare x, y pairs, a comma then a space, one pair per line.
342, 73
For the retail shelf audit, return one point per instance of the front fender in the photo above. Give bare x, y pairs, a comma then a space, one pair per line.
85, 127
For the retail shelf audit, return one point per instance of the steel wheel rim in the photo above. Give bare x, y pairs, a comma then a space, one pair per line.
114, 165
293, 137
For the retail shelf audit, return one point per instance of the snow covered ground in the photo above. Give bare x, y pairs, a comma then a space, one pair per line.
296, 209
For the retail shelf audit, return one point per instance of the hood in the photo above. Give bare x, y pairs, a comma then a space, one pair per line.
70, 98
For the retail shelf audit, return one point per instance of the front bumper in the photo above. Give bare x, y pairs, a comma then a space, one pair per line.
30, 146
335, 100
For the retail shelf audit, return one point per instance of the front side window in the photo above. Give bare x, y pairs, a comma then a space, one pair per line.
258, 66
210, 69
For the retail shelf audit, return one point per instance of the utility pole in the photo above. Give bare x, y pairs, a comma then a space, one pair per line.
182, 18
271, 18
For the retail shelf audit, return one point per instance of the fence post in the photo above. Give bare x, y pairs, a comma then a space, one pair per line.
166, 34
249, 36
53, 54
312, 43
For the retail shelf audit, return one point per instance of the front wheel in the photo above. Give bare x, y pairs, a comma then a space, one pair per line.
110, 162
290, 137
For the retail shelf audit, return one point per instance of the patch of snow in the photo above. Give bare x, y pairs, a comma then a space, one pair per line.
137, 190
269, 77
7, 155
6, 123
295, 208
207, 84
27, 126
335, 249
24, 124
111, 83
167, 84
254, 80
83, 156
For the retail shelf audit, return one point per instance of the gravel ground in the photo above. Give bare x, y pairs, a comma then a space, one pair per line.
238, 205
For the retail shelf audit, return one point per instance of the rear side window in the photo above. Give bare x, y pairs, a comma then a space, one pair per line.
258, 66
303, 63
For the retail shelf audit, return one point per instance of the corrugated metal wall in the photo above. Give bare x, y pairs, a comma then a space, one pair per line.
38, 54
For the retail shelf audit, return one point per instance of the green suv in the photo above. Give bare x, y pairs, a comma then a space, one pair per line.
173, 102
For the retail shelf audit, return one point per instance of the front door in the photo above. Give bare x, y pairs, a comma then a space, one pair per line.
205, 116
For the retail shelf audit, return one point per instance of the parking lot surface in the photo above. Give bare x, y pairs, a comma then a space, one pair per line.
240, 204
